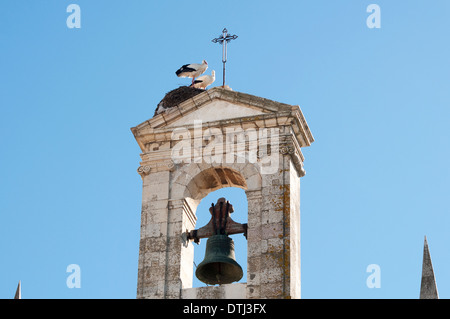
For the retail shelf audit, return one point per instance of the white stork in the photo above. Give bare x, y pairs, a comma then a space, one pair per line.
203, 81
192, 70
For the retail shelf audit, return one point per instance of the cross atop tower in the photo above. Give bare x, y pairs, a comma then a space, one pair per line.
224, 39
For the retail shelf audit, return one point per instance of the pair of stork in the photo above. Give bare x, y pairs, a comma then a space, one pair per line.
194, 71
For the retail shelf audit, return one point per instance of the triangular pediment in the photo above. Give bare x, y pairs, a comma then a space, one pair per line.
217, 110
218, 107
214, 105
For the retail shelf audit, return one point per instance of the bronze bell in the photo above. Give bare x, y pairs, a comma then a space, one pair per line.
219, 265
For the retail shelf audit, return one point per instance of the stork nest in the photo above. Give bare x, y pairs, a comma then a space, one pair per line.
177, 96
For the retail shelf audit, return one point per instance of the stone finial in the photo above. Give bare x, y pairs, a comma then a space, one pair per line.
18, 294
428, 288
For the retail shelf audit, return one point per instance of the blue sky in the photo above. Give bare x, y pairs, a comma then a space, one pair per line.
376, 100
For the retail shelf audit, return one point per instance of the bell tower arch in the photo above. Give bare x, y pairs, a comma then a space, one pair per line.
214, 139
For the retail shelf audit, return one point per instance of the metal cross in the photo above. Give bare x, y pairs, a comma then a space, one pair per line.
224, 39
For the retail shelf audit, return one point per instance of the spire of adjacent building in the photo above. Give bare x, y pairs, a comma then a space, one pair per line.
18, 294
428, 288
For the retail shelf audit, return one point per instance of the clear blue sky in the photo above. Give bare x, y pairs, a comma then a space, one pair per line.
377, 102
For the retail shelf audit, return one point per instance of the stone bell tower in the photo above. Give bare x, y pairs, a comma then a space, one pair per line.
200, 141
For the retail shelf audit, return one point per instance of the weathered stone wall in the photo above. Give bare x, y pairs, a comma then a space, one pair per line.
274, 235
230, 291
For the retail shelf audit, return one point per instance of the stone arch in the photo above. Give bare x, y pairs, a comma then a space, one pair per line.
193, 182
196, 180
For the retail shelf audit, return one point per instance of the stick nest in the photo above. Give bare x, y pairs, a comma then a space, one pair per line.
177, 96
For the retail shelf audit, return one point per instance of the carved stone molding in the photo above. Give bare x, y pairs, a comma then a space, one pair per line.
287, 150
144, 170
291, 151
